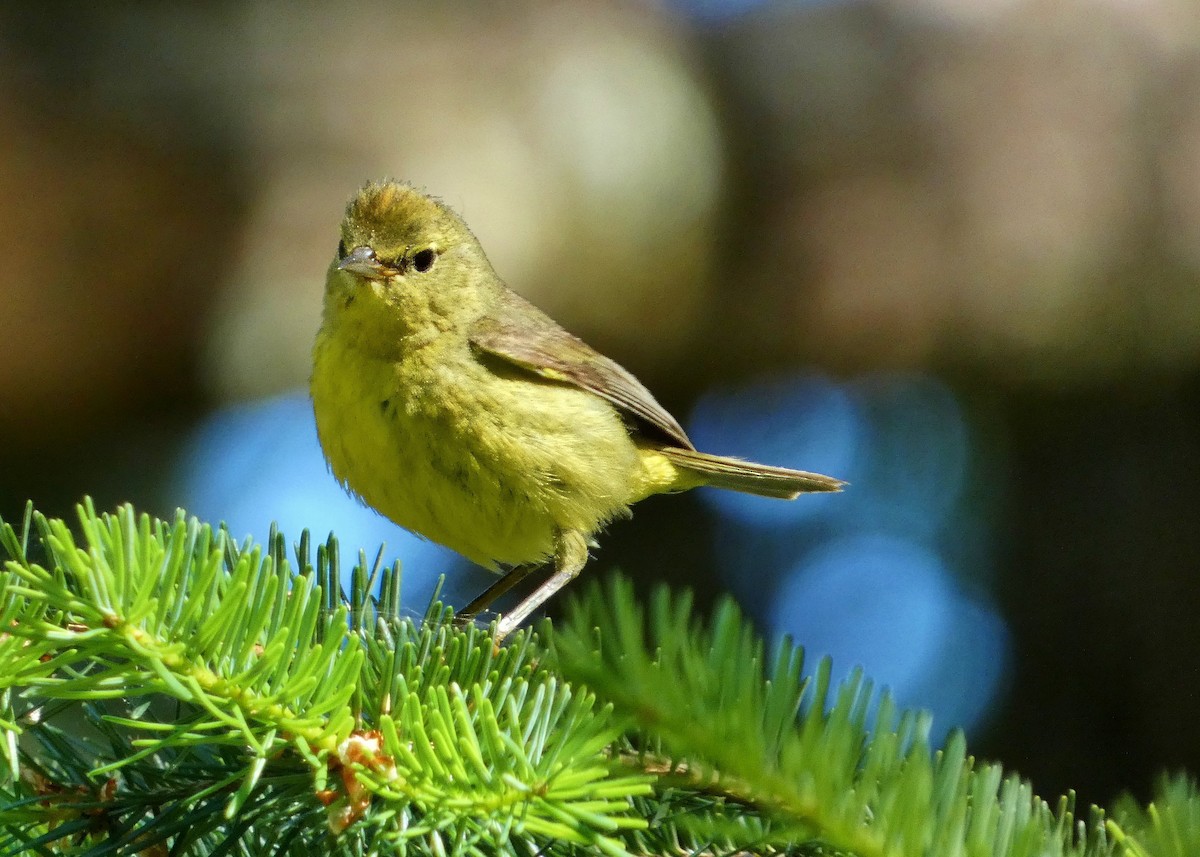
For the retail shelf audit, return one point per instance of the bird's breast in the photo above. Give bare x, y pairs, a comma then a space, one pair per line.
491, 467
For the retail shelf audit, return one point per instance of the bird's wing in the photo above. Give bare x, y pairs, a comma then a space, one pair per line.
522, 335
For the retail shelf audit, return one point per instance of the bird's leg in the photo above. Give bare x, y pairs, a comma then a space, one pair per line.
570, 557
501, 586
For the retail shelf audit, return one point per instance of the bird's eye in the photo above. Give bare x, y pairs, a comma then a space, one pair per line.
423, 260
341, 250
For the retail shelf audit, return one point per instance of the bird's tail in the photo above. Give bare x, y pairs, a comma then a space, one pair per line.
747, 476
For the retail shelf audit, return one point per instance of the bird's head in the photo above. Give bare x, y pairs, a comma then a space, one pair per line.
404, 262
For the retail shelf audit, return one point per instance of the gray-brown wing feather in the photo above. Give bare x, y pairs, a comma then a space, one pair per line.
521, 334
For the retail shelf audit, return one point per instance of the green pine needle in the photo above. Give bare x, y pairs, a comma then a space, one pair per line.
165, 690
412, 734
715, 714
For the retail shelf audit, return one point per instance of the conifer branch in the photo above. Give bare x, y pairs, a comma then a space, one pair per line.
409, 734
721, 716
166, 690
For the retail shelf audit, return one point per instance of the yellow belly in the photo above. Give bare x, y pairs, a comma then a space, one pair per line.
490, 466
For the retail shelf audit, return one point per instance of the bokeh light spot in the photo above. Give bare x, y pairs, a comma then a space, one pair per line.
891, 607
256, 463
806, 422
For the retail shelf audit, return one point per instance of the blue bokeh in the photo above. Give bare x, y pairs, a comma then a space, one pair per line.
805, 422
261, 462
887, 575
892, 607
716, 12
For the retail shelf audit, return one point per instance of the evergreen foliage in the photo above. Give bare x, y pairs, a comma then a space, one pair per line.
165, 691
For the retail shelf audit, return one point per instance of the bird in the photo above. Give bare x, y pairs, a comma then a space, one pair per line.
465, 414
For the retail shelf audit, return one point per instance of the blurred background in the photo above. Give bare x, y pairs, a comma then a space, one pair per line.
948, 250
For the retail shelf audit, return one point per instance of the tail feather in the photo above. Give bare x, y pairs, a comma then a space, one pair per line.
748, 477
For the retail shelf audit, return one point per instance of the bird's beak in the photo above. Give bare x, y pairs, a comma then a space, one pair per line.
362, 261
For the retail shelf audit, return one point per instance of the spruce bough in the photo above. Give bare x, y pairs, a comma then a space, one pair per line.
165, 690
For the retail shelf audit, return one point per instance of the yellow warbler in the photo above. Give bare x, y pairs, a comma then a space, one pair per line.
465, 414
